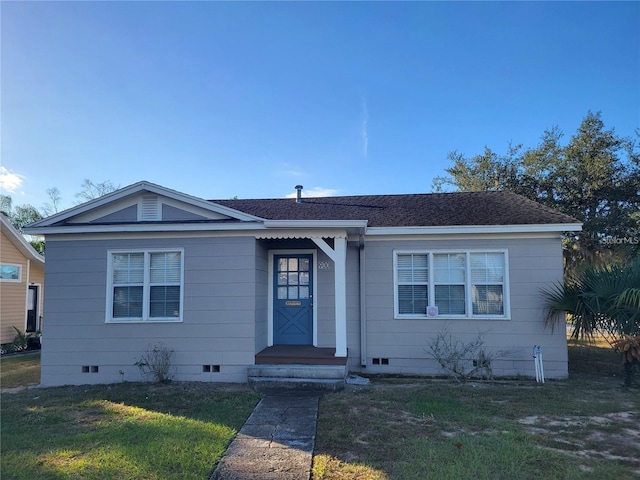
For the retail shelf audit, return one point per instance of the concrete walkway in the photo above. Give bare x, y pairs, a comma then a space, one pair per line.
275, 443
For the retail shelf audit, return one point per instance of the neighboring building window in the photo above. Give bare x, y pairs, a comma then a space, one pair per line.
460, 284
10, 272
145, 286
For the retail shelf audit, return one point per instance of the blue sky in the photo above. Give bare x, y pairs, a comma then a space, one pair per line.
223, 99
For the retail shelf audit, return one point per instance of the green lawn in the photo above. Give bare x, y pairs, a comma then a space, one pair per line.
586, 427
123, 431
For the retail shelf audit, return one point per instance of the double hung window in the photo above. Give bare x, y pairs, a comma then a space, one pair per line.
460, 284
145, 286
412, 283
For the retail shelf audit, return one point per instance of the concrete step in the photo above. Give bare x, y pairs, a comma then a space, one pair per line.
280, 384
335, 372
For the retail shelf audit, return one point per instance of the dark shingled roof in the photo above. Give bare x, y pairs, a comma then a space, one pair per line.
435, 209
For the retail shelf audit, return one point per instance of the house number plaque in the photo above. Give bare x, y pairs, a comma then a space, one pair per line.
293, 303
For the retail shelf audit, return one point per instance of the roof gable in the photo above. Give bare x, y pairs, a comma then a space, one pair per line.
143, 202
18, 240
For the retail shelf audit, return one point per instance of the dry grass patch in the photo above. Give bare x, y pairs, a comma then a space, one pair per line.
587, 427
18, 371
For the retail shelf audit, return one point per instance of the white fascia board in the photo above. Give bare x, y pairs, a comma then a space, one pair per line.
315, 223
140, 187
143, 227
475, 229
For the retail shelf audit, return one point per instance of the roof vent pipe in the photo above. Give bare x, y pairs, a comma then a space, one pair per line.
299, 195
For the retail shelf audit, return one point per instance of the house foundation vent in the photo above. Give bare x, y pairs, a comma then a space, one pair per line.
380, 361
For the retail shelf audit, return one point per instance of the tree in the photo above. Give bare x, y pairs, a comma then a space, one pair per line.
22, 215
53, 206
602, 301
5, 204
487, 171
594, 178
91, 190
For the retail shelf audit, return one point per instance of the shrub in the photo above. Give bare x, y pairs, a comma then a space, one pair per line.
155, 362
20, 341
463, 360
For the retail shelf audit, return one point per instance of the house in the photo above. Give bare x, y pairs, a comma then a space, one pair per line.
21, 284
366, 282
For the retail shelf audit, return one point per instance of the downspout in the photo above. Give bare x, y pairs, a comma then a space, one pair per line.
363, 306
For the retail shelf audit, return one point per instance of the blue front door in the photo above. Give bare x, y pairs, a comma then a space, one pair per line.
293, 300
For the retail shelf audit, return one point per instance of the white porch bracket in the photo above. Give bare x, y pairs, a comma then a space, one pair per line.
339, 256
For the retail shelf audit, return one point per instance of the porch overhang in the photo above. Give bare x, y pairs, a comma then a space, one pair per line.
319, 231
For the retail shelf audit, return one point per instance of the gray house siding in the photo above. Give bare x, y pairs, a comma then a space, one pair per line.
261, 296
225, 313
220, 312
534, 263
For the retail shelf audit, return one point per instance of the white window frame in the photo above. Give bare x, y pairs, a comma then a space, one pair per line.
12, 280
146, 287
468, 284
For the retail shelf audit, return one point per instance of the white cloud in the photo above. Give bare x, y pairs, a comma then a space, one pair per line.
314, 192
9, 182
364, 130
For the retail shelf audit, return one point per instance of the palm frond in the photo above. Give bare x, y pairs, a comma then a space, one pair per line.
601, 299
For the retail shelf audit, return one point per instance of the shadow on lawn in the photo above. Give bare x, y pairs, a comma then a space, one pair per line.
129, 430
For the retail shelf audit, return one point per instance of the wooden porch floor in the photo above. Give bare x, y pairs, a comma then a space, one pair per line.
299, 355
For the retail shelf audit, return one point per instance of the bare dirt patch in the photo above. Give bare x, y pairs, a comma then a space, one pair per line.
614, 436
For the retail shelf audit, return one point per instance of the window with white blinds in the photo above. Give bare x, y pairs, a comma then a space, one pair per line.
487, 283
412, 283
145, 286
459, 284
449, 283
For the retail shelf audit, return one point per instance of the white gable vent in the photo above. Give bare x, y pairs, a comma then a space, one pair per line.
149, 208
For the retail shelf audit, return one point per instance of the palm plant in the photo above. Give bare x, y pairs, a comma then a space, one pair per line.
600, 300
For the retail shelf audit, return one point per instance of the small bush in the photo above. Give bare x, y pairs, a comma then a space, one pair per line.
21, 340
463, 360
155, 362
